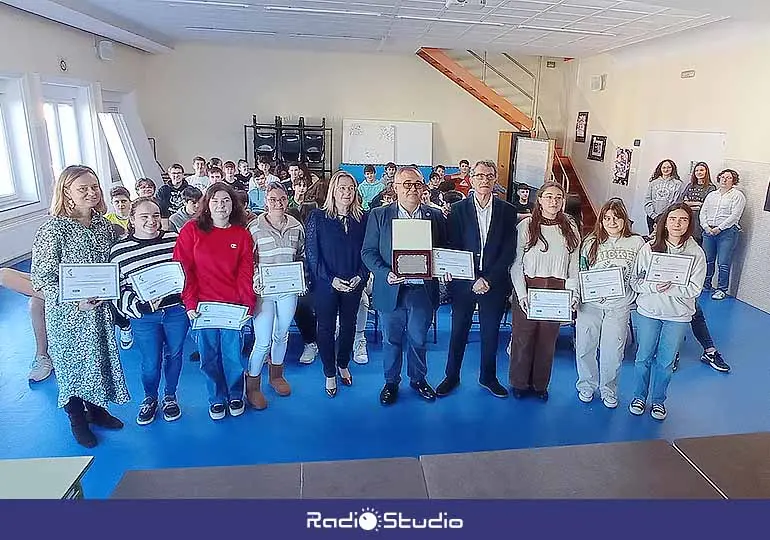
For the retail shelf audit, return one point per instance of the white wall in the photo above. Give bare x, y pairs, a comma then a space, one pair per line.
33, 45
645, 92
197, 99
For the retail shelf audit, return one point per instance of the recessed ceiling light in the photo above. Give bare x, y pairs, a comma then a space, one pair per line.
323, 11
316, 36
455, 21
564, 30
229, 30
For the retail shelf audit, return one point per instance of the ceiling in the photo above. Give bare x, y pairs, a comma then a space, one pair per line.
571, 28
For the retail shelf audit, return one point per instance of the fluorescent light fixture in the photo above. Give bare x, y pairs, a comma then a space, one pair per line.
564, 30
456, 21
315, 36
229, 30
212, 3
323, 11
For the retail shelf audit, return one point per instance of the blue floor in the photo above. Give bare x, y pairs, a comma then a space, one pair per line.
308, 426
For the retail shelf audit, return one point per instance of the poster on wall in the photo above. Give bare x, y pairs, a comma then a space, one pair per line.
581, 126
597, 147
622, 166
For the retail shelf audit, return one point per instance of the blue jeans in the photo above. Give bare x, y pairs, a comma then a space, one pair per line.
407, 325
222, 363
659, 341
719, 247
160, 337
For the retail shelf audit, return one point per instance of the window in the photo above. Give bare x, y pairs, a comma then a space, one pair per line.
121, 147
7, 187
63, 135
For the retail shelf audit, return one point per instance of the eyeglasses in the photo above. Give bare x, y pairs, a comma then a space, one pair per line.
273, 200
482, 176
411, 185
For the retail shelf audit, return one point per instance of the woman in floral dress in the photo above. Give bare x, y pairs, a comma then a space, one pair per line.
81, 334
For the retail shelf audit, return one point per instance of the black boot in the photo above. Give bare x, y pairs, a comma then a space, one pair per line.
83, 434
99, 416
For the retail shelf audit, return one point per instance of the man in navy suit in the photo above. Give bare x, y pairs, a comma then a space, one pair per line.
486, 226
406, 306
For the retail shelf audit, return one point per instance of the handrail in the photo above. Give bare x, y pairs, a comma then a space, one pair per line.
499, 74
565, 176
522, 66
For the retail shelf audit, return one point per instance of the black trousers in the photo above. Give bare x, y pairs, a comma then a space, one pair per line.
329, 304
305, 319
491, 311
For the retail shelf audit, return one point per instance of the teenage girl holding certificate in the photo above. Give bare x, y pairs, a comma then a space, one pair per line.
546, 258
603, 325
217, 257
81, 335
665, 310
278, 239
159, 324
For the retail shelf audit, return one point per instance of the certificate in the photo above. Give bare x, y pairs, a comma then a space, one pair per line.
158, 281
666, 267
288, 278
219, 315
550, 305
607, 283
83, 281
457, 263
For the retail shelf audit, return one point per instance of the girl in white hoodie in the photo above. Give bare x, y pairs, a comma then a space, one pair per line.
603, 325
665, 310
663, 191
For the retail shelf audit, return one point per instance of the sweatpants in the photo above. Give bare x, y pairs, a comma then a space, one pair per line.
607, 331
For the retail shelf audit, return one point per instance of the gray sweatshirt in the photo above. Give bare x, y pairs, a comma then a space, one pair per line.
661, 193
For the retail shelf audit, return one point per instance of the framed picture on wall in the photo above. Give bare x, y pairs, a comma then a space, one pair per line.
622, 166
597, 147
581, 126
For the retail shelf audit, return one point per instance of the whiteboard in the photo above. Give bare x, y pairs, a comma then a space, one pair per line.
381, 141
683, 148
533, 161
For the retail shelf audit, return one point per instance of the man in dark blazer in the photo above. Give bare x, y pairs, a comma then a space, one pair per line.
406, 306
486, 226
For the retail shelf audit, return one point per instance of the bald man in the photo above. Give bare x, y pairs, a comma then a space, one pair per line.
406, 306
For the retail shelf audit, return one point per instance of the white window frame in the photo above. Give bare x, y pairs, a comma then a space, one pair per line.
119, 143
30, 194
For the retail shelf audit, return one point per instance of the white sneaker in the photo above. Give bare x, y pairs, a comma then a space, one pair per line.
585, 397
41, 368
308, 355
718, 295
360, 353
126, 338
610, 402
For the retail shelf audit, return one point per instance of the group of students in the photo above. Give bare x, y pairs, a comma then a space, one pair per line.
222, 245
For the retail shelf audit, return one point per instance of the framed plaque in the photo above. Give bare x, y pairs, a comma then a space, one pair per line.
412, 249
413, 264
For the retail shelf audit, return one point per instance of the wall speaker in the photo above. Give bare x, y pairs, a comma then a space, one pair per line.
598, 82
105, 50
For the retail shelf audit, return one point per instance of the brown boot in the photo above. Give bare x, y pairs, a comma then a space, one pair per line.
279, 384
254, 394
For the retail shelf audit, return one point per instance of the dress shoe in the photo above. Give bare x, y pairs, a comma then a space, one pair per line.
389, 394
424, 390
518, 393
346, 381
495, 388
542, 396
331, 386
446, 386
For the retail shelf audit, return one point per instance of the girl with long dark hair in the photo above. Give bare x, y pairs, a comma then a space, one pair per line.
546, 258
662, 192
665, 310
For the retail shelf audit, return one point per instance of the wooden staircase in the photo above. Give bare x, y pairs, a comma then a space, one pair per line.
464, 78
471, 84
587, 211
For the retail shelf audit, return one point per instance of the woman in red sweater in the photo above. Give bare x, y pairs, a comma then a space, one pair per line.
217, 255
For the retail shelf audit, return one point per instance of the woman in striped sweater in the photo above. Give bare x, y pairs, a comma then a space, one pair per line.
159, 324
278, 239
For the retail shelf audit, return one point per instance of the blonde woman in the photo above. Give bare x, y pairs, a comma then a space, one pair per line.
335, 236
81, 334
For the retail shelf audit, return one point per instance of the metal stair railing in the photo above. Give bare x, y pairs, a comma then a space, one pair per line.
487, 66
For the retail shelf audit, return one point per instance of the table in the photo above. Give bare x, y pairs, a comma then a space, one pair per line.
43, 478
738, 465
635, 470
